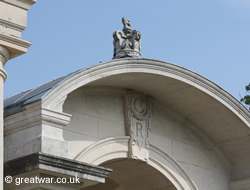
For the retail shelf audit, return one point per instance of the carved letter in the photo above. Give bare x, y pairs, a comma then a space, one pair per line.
139, 128
137, 109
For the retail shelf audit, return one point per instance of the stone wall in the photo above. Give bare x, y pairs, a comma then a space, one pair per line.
97, 113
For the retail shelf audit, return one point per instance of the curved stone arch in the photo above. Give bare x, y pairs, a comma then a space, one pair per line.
58, 94
171, 169
117, 147
94, 154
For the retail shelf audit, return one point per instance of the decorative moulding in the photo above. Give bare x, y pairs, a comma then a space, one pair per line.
170, 168
16, 46
12, 25
55, 164
150, 66
24, 4
117, 147
94, 154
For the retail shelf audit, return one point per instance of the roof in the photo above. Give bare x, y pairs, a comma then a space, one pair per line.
17, 102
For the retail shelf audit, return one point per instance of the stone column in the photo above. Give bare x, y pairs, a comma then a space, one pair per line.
4, 57
13, 20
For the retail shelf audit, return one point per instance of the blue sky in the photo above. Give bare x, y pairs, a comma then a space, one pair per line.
211, 38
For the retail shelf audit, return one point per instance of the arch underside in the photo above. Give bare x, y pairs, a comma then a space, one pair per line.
160, 172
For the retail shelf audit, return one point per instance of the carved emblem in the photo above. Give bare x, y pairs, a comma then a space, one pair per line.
137, 109
127, 44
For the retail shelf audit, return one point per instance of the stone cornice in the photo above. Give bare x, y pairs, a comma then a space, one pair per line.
33, 117
24, 4
12, 25
141, 65
16, 46
55, 164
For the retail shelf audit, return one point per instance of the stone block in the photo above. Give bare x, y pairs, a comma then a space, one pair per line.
190, 137
75, 103
23, 142
13, 19
83, 123
192, 155
77, 142
164, 128
109, 129
164, 144
200, 176
54, 147
105, 110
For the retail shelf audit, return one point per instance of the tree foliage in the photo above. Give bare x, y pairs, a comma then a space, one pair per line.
246, 98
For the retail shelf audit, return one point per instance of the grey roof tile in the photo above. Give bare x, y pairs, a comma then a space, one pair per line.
16, 103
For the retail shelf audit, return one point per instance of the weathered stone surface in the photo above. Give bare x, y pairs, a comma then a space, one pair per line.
13, 20
35, 130
57, 165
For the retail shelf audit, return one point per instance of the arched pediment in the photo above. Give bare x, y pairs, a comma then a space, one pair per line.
130, 72
217, 114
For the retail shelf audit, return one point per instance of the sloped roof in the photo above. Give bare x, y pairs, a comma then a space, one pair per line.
17, 102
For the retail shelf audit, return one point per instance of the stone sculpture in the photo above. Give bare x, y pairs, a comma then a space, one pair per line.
126, 43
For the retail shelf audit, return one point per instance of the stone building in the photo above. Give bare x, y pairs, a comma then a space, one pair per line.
128, 124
